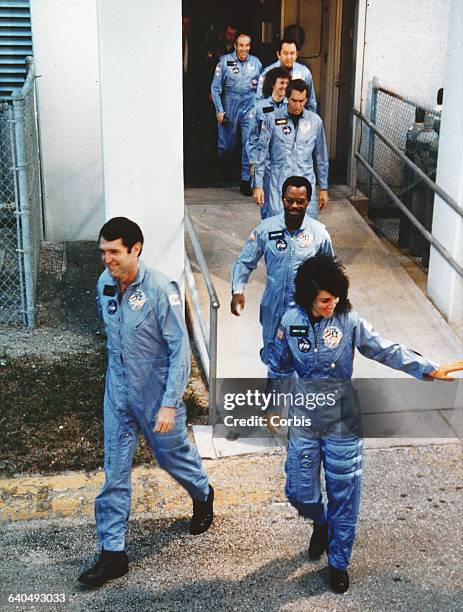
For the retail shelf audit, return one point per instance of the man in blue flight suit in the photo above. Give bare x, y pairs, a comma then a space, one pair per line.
316, 340
288, 143
233, 90
272, 105
287, 55
285, 241
148, 369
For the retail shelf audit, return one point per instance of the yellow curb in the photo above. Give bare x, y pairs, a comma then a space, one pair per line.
238, 481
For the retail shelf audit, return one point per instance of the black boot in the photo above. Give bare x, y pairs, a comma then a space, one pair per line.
339, 579
318, 541
203, 514
110, 565
245, 188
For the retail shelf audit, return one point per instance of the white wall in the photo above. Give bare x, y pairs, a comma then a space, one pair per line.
405, 46
66, 57
141, 108
445, 286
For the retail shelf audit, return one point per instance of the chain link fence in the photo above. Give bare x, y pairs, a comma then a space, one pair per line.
20, 205
414, 129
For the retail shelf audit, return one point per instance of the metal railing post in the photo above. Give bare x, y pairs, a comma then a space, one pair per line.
213, 364
353, 159
371, 140
214, 305
24, 205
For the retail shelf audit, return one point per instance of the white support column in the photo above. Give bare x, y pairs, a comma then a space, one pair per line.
140, 52
445, 286
66, 62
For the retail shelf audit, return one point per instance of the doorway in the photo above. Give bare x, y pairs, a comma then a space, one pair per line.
327, 49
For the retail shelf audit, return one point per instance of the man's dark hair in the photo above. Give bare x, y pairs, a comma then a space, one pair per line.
321, 273
297, 181
298, 85
271, 78
287, 41
125, 229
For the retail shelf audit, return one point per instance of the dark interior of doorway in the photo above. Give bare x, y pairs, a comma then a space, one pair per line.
345, 83
208, 18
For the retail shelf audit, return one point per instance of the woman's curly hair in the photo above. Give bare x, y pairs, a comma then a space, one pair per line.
322, 273
271, 78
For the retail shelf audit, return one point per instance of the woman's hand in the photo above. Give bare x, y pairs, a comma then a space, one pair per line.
443, 370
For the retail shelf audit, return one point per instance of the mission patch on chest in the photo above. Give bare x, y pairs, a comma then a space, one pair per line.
137, 300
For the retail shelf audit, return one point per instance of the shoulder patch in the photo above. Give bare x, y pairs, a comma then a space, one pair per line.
252, 236
280, 334
174, 299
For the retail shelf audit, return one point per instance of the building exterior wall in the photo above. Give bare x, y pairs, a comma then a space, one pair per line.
404, 44
445, 286
66, 57
140, 49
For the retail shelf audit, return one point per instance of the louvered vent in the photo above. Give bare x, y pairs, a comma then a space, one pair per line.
15, 44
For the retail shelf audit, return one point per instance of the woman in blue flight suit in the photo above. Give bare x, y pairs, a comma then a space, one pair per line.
316, 340
271, 105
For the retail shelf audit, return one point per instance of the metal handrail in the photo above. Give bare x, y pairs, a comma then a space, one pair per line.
214, 305
433, 186
424, 177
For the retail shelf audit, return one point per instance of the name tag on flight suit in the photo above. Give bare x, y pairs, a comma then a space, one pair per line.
109, 290
299, 331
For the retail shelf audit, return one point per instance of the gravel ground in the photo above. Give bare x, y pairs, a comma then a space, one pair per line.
67, 321
408, 554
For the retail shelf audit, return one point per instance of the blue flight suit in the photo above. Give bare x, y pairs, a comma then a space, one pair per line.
289, 150
298, 71
148, 367
262, 109
233, 90
324, 351
283, 251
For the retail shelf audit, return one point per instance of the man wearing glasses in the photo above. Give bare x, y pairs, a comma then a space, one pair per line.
285, 240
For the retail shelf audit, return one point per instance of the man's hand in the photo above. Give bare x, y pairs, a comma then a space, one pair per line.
165, 419
258, 195
220, 117
237, 304
443, 370
322, 198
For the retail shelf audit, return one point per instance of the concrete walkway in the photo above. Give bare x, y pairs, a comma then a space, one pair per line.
381, 291
407, 554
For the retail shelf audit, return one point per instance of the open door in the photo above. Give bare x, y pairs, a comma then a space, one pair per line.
208, 20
